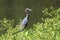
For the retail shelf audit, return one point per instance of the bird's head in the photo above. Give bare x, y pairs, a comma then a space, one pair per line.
27, 10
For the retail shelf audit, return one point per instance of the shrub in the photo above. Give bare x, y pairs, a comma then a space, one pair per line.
50, 30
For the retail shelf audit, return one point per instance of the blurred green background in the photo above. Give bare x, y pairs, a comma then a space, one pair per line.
43, 24
14, 9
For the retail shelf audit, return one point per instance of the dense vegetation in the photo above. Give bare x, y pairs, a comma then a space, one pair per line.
44, 20
47, 30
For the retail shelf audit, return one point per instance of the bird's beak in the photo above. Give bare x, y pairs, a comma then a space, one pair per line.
30, 10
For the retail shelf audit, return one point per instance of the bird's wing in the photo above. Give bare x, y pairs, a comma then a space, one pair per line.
23, 23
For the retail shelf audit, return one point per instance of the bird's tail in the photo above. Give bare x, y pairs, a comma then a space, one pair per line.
21, 28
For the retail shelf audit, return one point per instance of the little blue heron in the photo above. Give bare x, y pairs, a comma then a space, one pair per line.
25, 20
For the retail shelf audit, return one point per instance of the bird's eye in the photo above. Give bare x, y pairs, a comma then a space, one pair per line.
27, 10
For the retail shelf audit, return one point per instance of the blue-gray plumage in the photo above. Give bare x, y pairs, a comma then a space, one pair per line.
25, 20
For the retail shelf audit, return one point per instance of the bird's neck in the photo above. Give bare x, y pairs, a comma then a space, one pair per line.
27, 15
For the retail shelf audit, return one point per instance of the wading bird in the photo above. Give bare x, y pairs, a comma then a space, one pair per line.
25, 20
